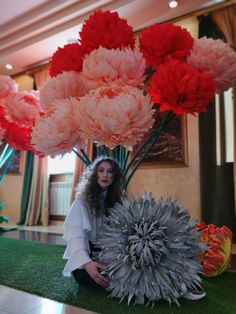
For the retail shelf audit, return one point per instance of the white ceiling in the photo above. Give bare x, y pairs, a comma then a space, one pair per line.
31, 30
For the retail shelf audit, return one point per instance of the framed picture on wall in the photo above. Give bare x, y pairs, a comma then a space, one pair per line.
16, 163
171, 148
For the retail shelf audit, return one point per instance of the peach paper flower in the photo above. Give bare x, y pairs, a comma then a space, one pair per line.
115, 117
22, 108
113, 67
215, 58
58, 133
7, 86
65, 85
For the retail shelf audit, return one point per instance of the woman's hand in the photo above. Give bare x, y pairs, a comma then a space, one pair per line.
94, 269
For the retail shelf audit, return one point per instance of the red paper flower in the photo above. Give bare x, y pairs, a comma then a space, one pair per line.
178, 87
164, 42
17, 136
68, 58
106, 29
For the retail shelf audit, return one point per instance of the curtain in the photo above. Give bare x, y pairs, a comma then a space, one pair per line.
216, 179
226, 21
80, 167
37, 209
29, 163
34, 206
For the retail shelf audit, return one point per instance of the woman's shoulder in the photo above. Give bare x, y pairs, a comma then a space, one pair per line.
78, 212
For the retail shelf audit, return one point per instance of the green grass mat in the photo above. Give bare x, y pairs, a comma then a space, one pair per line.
36, 268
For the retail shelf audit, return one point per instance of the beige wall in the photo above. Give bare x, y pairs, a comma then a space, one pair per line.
10, 193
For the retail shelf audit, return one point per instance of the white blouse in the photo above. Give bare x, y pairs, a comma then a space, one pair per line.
80, 227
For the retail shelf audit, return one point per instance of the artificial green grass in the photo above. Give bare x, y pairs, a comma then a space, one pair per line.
37, 268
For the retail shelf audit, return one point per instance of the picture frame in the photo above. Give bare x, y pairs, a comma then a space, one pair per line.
16, 164
170, 149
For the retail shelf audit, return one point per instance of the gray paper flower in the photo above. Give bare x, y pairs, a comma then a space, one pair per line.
150, 247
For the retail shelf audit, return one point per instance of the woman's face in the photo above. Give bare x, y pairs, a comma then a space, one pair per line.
104, 174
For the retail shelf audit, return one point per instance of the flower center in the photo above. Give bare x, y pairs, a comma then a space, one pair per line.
146, 244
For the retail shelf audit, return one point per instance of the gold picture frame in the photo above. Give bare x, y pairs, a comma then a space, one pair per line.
171, 149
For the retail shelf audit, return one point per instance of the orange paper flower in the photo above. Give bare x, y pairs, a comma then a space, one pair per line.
216, 259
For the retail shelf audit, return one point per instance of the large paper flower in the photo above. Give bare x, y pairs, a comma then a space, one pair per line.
7, 86
115, 117
105, 29
215, 58
18, 137
178, 87
65, 85
68, 58
164, 42
22, 108
58, 133
115, 67
150, 248
216, 259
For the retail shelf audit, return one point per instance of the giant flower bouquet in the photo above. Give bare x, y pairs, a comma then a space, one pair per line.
103, 87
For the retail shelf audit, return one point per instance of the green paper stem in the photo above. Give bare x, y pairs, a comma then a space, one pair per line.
80, 157
7, 164
166, 119
85, 156
153, 138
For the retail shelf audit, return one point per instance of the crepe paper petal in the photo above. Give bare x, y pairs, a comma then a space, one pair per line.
150, 246
115, 117
7, 86
58, 133
216, 259
215, 58
21, 108
105, 29
65, 85
180, 88
114, 67
68, 58
18, 137
162, 43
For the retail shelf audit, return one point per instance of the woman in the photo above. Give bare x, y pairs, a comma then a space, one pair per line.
99, 190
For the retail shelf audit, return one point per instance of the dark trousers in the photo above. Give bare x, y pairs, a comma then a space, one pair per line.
83, 278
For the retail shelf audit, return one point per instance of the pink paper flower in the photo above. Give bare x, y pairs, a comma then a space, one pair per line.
115, 67
65, 85
115, 117
58, 133
7, 86
21, 108
215, 58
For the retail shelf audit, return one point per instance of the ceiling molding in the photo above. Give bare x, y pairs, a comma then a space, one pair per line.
62, 19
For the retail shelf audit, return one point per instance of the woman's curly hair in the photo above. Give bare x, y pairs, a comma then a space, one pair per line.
91, 190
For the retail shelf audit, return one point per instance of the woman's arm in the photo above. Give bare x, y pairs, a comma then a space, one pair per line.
94, 270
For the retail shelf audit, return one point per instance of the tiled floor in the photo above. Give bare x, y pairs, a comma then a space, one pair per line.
25, 303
